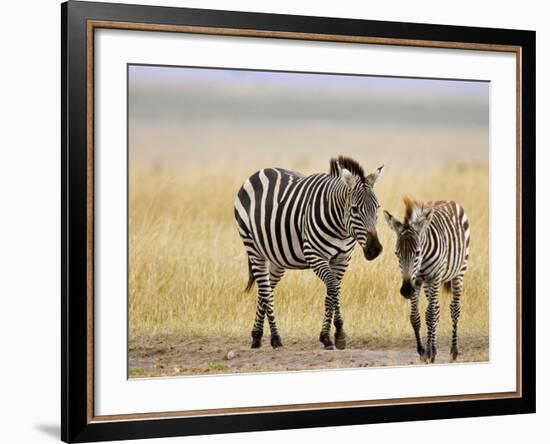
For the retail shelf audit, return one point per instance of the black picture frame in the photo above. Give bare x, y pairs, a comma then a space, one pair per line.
76, 423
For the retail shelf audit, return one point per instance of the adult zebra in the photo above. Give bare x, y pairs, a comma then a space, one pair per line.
432, 249
290, 221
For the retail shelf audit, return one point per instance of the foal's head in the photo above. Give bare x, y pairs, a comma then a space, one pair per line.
410, 237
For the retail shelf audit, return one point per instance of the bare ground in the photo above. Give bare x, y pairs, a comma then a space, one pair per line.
218, 355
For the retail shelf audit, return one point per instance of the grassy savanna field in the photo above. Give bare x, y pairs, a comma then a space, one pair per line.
188, 270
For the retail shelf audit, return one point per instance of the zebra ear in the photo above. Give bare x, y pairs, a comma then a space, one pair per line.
394, 224
348, 178
373, 177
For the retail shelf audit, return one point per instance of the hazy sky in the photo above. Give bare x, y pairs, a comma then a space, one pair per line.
181, 114
151, 76
195, 93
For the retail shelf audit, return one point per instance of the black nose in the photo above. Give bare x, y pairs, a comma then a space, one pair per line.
407, 289
374, 248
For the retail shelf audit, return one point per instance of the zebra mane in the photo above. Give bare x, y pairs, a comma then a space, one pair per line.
414, 210
349, 164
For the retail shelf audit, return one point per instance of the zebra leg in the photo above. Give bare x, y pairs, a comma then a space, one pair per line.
261, 274
340, 334
415, 320
432, 319
456, 288
275, 275
322, 270
339, 267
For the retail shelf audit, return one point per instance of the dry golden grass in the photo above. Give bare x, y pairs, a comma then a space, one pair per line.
188, 269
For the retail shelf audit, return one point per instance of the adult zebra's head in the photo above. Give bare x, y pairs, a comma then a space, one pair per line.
410, 237
361, 204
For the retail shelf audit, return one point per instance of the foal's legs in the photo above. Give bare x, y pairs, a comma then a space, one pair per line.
415, 319
432, 319
456, 288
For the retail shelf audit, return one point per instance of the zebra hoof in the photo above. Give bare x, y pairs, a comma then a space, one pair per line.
340, 343
276, 341
454, 353
256, 343
325, 339
428, 358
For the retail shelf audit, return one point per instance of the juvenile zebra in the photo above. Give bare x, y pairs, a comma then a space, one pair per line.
290, 221
432, 249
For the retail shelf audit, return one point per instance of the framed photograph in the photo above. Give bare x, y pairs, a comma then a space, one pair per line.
275, 221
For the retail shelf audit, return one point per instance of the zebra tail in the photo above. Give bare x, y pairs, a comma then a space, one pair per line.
251, 278
447, 286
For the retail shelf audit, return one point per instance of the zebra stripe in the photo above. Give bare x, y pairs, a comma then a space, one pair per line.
290, 221
432, 249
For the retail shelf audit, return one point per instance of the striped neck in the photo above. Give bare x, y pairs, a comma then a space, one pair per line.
338, 207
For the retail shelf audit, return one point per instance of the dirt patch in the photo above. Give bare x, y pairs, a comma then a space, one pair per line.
171, 357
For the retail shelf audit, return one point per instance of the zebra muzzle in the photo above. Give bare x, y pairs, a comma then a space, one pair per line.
373, 248
407, 289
